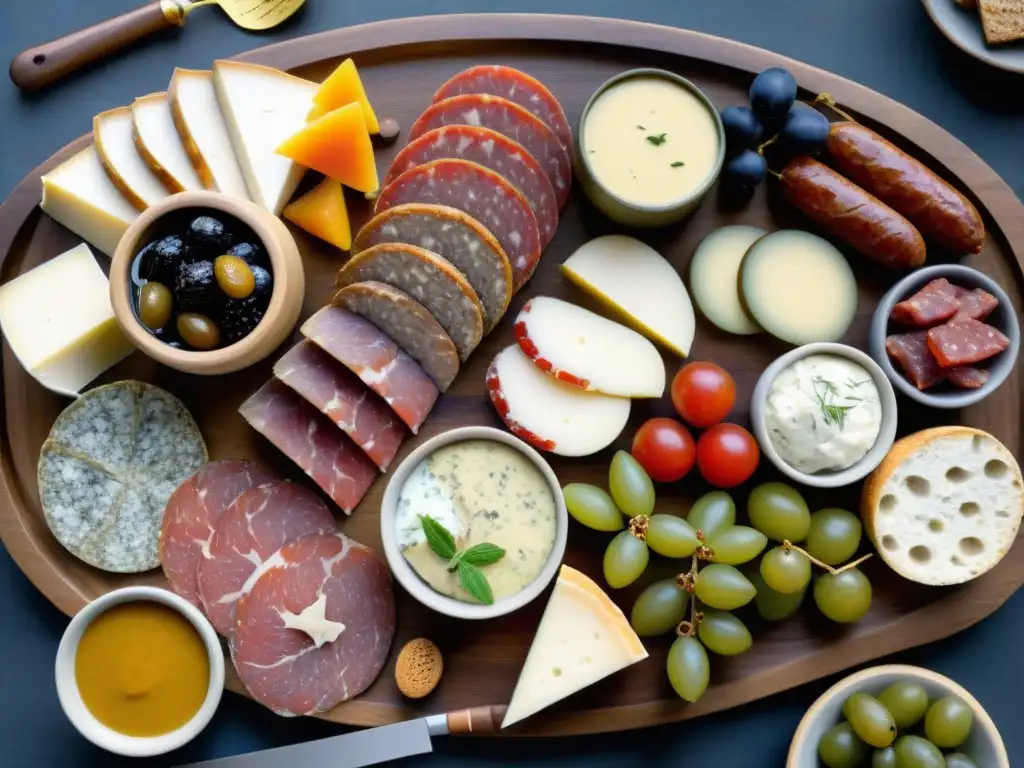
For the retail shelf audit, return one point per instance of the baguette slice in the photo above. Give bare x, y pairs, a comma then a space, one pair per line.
945, 505
1002, 20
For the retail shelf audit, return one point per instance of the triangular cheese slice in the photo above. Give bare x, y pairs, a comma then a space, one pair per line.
262, 107
113, 135
583, 637
159, 144
342, 87
322, 213
338, 146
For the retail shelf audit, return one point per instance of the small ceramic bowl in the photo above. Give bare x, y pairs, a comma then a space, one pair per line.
870, 460
408, 577
285, 301
83, 719
1003, 318
633, 214
983, 746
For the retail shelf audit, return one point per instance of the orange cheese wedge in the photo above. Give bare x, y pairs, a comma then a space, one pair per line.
322, 213
340, 89
338, 145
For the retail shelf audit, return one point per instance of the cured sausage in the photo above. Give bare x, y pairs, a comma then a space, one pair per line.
406, 321
429, 279
466, 243
965, 342
340, 396
910, 351
934, 303
851, 214
905, 184
491, 150
968, 376
483, 194
314, 624
371, 355
975, 305
255, 526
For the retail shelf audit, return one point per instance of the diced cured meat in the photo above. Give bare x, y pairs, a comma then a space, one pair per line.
308, 438
340, 396
371, 355
919, 365
508, 119
454, 235
965, 342
967, 376
429, 279
491, 150
191, 514
324, 585
406, 321
975, 305
485, 195
516, 86
255, 526
933, 304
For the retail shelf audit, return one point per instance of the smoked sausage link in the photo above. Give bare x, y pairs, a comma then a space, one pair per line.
898, 180
852, 215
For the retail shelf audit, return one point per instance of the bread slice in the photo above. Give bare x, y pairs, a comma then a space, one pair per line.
1002, 20
158, 142
945, 505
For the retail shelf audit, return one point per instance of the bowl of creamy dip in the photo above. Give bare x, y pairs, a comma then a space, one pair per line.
651, 145
824, 414
487, 489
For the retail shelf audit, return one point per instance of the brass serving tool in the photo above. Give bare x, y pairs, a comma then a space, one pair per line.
40, 66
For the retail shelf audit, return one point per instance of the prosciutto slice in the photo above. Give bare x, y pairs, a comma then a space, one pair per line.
323, 586
255, 526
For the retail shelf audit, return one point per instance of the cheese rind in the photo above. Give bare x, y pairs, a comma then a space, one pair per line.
115, 142
158, 143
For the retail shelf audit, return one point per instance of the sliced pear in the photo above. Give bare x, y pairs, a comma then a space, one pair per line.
161, 147
115, 143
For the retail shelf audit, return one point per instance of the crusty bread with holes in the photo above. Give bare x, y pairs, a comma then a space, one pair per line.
1002, 20
944, 505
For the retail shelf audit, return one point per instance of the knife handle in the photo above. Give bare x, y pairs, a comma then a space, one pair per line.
476, 720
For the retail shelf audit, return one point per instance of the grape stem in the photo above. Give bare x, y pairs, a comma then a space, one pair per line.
760, 151
828, 101
688, 581
638, 526
788, 546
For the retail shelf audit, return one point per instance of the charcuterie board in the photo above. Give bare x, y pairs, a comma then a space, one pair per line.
401, 63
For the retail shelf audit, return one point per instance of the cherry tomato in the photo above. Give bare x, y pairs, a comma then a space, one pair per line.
727, 455
665, 448
703, 393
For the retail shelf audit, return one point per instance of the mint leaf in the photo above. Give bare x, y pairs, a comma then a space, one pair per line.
482, 554
475, 583
438, 537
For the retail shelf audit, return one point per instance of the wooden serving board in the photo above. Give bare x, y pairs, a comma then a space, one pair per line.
402, 63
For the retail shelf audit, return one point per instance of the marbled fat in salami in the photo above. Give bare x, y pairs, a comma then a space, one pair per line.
910, 351
965, 342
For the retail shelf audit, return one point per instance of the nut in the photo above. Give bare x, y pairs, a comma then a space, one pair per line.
418, 668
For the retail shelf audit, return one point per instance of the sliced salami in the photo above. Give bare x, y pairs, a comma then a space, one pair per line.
429, 279
968, 376
192, 512
314, 624
975, 305
308, 438
255, 526
371, 355
910, 351
965, 342
491, 150
454, 235
340, 396
485, 195
933, 304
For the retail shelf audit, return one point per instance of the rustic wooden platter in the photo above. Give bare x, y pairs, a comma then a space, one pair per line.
402, 63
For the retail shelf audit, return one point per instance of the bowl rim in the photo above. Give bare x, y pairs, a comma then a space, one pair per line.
411, 580
86, 723
886, 396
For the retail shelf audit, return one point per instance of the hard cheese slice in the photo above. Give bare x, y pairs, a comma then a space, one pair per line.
159, 144
322, 213
342, 87
113, 133
583, 637
338, 146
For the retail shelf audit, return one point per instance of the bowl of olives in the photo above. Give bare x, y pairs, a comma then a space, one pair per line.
206, 283
897, 716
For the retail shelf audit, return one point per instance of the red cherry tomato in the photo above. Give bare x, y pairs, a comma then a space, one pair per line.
703, 393
665, 448
727, 455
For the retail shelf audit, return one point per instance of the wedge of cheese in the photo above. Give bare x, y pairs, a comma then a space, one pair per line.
202, 129
114, 140
583, 637
262, 108
79, 195
59, 323
343, 86
158, 142
322, 213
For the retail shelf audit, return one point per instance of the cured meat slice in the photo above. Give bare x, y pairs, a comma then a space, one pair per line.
967, 376
314, 624
965, 342
255, 526
975, 305
516, 86
340, 396
308, 438
466, 243
406, 321
483, 194
371, 355
429, 279
919, 365
191, 514
491, 150
933, 304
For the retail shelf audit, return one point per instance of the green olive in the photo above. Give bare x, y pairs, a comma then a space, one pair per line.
155, 304
198, 331
234, 276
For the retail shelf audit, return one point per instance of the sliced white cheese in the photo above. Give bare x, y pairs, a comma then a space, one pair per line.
583, 637
59, 323
79, 195
114, 138
637, 282
262, 108
714, 277
159, 144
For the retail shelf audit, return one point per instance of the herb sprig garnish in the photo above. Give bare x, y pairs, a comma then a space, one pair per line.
677, 163
825, 393
657, 139
466, 562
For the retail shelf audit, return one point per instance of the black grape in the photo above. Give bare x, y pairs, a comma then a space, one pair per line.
772, 94
742, 129
804, 132
745, 171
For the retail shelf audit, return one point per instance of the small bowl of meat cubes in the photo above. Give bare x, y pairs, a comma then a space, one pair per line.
946, 336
